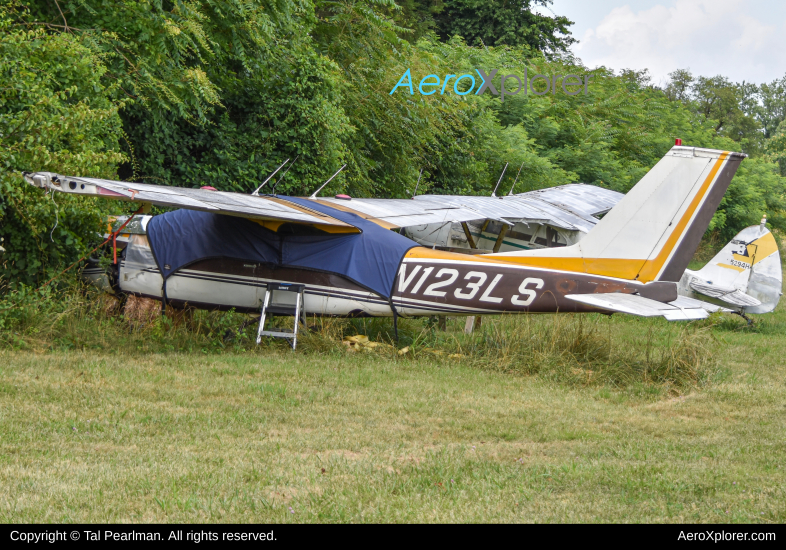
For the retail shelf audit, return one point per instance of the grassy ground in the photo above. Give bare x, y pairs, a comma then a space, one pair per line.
102, 435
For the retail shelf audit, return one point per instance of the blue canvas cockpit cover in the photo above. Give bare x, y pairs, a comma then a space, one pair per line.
370, 258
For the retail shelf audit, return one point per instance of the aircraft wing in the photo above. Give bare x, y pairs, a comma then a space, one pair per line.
572, 207
640, 306
406, 212
583, 199
389, 213
262, 208
569, 206
729, 295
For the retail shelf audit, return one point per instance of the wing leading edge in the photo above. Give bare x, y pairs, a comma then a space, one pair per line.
258, 208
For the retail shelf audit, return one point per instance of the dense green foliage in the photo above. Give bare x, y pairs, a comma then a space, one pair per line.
742, 117
489, 22
220, 92
776, 148
57, 113
504, 22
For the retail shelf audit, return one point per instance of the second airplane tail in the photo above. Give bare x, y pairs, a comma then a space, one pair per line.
746, 274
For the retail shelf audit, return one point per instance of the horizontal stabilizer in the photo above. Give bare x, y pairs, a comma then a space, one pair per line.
731, 296
685, 302
640, 306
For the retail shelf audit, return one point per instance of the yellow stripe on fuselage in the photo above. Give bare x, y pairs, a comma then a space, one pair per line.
430, 254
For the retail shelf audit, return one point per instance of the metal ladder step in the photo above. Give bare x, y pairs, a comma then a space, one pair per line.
271, 307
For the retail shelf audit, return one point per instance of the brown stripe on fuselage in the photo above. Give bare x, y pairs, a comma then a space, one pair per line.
473, 287
469, 285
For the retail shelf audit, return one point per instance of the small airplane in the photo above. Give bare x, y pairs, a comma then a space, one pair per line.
745, 276
555, 217
225, 250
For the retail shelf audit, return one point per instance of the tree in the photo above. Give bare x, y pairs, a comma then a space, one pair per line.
504, 22
776, 147
221, 92
717, 100
730, 108
57, 113
773, 106
417, 16
679, 86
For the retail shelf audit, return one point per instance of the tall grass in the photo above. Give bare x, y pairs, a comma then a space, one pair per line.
573, 349
76, 316
582, 349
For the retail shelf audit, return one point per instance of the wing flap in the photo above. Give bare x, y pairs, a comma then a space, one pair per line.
632, 304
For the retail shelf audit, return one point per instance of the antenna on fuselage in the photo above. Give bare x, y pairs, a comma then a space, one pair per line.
273, 191
256, 192
494, 193
517, 179
418, 183
314, 194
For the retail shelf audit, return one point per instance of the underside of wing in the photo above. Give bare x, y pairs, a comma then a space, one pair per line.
732, 296
259, 208
640, 306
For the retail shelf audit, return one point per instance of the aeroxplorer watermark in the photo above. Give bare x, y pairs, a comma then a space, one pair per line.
720, 536
507, 86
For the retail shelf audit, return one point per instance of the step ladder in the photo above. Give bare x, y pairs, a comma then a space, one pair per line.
278, 301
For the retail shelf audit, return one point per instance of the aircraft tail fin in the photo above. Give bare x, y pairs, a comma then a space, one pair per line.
748, 267
653, 232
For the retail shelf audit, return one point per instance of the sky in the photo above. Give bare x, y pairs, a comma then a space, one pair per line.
740, 39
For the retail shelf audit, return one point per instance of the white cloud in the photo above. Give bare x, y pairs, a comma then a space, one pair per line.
709, 37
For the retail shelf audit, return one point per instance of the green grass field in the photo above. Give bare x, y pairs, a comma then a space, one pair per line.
531, 419
273, 436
